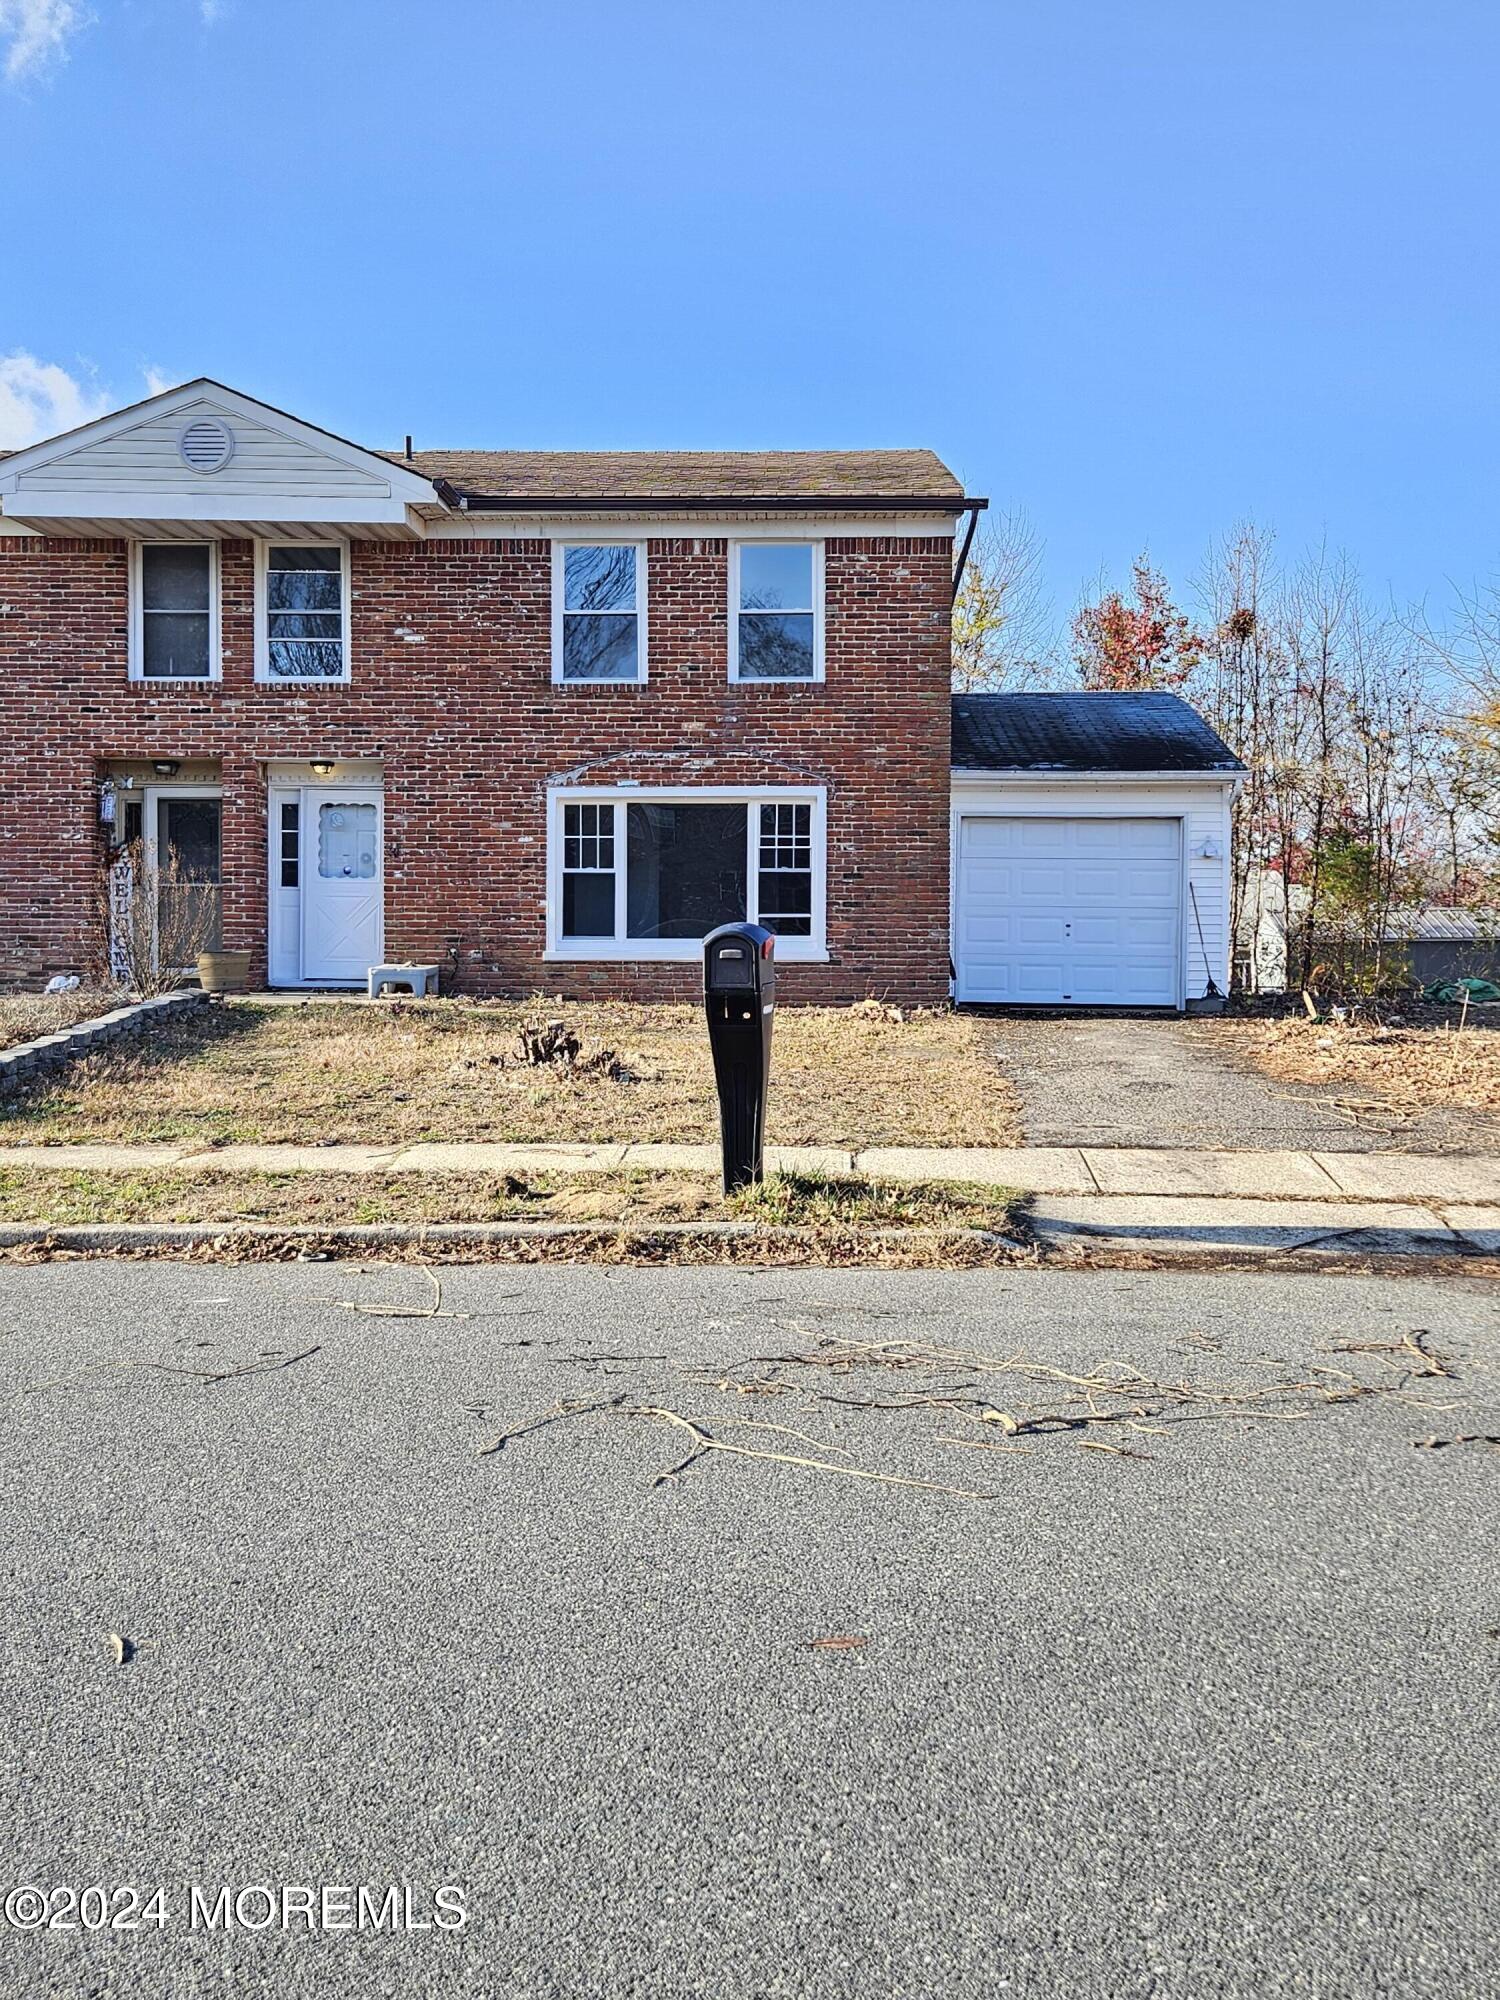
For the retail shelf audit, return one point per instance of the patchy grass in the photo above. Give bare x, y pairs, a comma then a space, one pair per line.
802, 1201
25, 1016
1415, 1065
448, 1070
819, 1200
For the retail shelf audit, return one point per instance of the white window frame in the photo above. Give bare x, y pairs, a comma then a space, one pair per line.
136, 647
263, 673
559, 558
785, 542
810, 950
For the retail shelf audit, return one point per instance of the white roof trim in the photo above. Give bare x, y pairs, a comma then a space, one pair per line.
1043, 774
407, 488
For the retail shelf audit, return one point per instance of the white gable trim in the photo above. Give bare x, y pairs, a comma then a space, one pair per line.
392, 487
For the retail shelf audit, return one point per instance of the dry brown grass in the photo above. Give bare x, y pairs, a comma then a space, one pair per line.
446, 1069
1414, 1067
635, 1199
25, 1016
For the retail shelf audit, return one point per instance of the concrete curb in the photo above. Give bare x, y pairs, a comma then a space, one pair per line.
48, 1052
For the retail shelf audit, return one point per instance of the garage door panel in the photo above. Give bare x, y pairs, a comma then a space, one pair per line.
1086, 911
1039, 981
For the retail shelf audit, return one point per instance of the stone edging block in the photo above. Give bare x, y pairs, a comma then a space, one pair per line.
49, 1052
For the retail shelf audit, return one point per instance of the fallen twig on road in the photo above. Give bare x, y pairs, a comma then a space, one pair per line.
397, 1310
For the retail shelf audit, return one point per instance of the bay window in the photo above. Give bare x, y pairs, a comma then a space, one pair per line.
642, 873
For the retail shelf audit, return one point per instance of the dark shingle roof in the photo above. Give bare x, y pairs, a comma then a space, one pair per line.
1084, 732
689, 475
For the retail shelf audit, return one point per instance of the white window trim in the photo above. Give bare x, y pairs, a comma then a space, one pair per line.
810, 950
642, 649
759, 680
263, 672
136, 647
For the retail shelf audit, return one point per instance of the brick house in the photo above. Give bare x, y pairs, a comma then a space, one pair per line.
545, 718
541, 717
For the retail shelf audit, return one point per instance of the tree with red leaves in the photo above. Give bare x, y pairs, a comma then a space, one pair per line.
1122, 646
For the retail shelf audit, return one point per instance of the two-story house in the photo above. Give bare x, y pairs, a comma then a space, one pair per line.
543, 718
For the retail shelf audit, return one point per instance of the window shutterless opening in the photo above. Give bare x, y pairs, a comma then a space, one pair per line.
174, 611
648, 874
302, 612
776, 611
598, 612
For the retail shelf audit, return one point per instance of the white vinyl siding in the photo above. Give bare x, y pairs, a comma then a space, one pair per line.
146, 458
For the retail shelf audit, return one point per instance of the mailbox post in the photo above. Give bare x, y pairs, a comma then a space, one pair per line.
739, 994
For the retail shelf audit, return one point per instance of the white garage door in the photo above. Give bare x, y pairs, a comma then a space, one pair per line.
1069, 910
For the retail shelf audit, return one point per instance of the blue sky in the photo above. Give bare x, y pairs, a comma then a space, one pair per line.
1137, 270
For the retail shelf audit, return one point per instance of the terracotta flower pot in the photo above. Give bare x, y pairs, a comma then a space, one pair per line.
224, 971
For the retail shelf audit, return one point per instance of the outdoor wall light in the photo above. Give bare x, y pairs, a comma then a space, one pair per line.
165, 767
323, 767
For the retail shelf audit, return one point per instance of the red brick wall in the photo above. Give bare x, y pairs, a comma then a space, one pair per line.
469, 729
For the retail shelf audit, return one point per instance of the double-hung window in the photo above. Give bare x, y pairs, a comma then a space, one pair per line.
302, 612
174, 611
598, 611
648, 874
776, 611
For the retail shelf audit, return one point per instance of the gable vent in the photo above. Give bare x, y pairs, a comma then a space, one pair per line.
206, 444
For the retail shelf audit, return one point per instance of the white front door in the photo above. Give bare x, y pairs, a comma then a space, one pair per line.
342, 882
1080, 912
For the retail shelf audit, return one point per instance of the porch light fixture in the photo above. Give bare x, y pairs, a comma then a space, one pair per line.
165, 767
323, 767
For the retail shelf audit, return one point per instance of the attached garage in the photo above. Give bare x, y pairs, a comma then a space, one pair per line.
1090, 846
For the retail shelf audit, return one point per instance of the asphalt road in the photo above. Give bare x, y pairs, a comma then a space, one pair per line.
1218, 1719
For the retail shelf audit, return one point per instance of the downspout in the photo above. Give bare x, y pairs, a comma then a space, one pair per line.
973, 509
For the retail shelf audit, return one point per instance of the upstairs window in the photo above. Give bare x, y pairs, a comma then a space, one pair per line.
776, 626
303, 623
174, 621
598, 611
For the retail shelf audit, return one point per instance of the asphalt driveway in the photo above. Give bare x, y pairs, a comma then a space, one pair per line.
1157, 1080
1212, 1715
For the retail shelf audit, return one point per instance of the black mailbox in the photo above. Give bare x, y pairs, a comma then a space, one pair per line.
739, 993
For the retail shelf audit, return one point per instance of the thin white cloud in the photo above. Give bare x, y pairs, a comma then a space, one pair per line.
34, 34
157, 382
38, 399
212, 11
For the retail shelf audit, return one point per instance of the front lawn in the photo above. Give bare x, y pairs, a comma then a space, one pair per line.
1422, 1061
25, 1017
450, 1070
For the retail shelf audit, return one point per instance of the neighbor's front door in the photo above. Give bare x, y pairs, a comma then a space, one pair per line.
342, 884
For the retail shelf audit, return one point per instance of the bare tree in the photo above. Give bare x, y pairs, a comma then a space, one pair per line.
1004, 629
152, 923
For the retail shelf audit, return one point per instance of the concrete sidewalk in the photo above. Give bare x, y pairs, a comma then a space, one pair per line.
1080, 1171
1087, 1202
